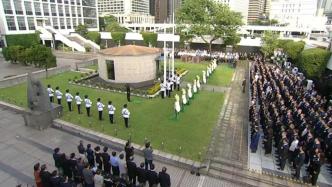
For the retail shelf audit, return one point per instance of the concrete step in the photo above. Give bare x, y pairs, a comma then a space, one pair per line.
232, 163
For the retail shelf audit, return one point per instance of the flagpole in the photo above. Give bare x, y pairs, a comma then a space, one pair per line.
173, 37
165, 60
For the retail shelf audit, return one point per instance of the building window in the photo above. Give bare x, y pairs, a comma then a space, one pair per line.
53, 10
18, 7
31, 23
78, 2
89, 3
68, 23
74, 22
89, 12
52, 1
11, 23
48, 22
62, 23
46, 9
55, 23
37, 8
73, 11
21, 23
60, 9
7, 8
110, 69
66, 1
79, 12
90, 23
72, 2
28, 8
67, 11
59, 1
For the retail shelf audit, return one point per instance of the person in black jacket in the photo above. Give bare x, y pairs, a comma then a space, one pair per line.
129, 150
152, 177
56, 157
132, 168
106, 158
90, 155
45, 176
98, 158
141, 174
55, 179
164, 178
299, 161
72, 165
81, 149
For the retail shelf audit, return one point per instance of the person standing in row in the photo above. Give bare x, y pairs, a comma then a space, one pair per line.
125, 114
50, 92
58, 95
111, 110
100, 107
78, 102
69, 99
178, 81
148, 158
88, 104
168, 88
164, 178
162, 89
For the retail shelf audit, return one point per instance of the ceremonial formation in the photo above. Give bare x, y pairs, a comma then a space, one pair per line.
288, 113
93, 167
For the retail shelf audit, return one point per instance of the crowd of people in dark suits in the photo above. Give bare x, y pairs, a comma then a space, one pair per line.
292, 116
93, 167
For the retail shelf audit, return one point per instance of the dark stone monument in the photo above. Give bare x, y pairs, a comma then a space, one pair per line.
41, 111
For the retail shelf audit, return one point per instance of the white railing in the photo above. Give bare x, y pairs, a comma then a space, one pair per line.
65, 40
96, 46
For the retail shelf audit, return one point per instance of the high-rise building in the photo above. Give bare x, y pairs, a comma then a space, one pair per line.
297, 13
161, 11
22, 16
240, 6
256, 9
152, 7
127, 11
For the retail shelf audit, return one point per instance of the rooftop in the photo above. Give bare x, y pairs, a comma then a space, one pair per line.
130, 50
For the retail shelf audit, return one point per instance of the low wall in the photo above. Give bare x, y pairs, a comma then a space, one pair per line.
87, 63
12, 81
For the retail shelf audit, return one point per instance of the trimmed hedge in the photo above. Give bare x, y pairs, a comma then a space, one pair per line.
24, 40
150, 38
313, 62
118, 36
154, 89
292, 49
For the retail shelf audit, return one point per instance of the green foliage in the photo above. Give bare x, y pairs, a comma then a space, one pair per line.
38, 55
150, 38
154, 89
313, 62
24, 40
111, 25
269, 43
82, 30
232, 39
291, 48
264, 22
94, 36
207, 17
118, 37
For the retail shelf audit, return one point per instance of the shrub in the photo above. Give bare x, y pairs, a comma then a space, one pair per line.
94, 36
24, 40
150, 38
87, 48
291, 48
118, 37
154, 89
313, 62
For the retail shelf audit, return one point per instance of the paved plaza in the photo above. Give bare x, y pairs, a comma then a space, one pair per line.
8, 69
21, 147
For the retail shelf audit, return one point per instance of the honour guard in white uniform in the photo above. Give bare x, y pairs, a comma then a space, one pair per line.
78, 102
125, 114
58, 95
50, 92
69, 99
88, 104
100, 108
111, 110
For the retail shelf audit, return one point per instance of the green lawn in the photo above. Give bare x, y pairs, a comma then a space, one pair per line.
221, 77
94, 67
151, 118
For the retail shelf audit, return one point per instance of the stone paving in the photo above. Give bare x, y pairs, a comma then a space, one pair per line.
229, 141
21, 147
8, 69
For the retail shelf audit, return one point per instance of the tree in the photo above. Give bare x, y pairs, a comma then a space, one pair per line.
291, 48
82, 30
118, 37
207, 17
112, 25
150, 38
94, 36
269, 43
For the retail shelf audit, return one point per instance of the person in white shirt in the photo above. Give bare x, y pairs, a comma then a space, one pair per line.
178, 80
125, 114
88, 104
162, 89
293, 150
111, 110
100, 107
168, 88
78, 102
50, 92
58, 95
69, 99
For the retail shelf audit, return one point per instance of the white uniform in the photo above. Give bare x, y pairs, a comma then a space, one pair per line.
125, 113
69, 97
111, 109
58, 94
100, 106
50, 92
88, 103
78, 99
162, 87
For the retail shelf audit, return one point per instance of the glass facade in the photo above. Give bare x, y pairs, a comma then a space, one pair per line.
23, 15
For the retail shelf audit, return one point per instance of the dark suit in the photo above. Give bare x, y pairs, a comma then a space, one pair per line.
132, 168
56, 180
164, 179
141, 175
46, 178
152, 177
299, 161
106, 158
